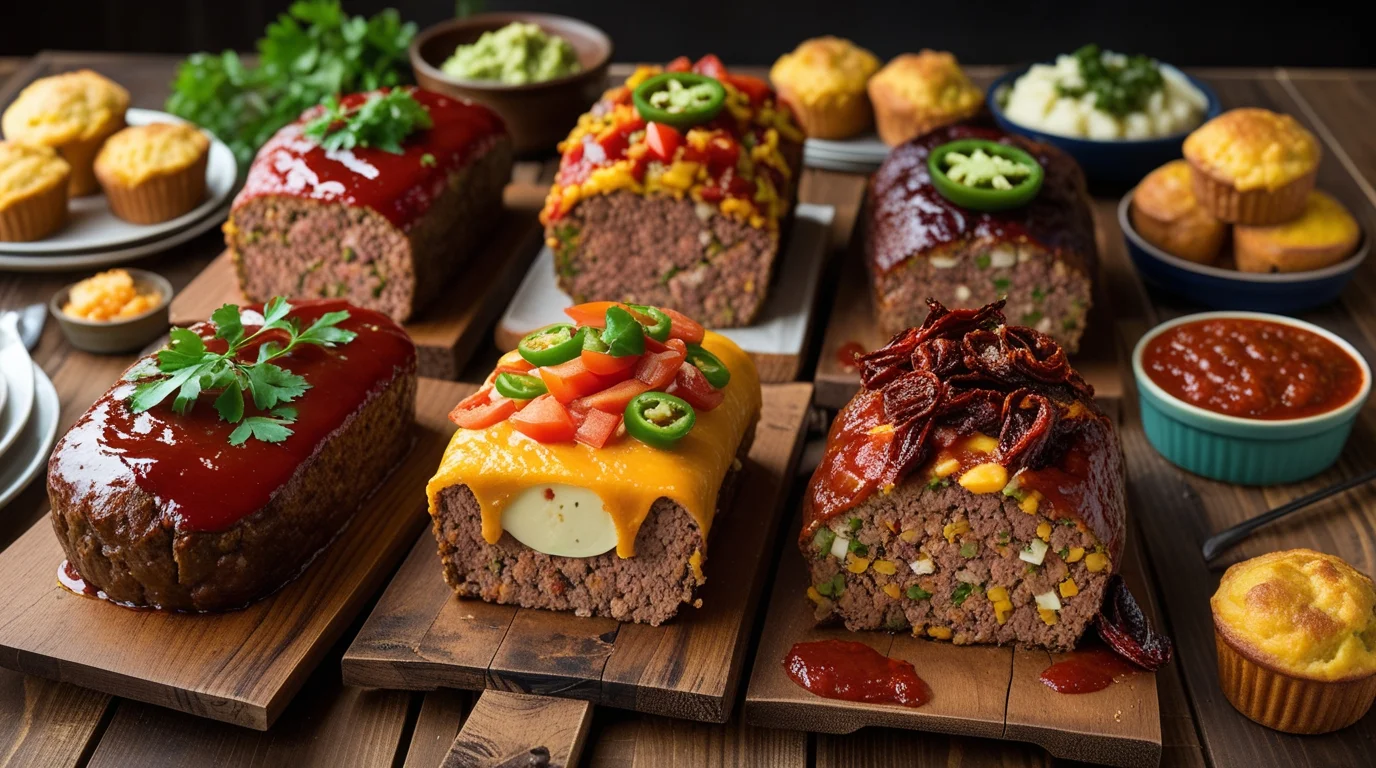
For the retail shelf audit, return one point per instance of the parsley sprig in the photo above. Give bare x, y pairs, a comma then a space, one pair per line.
186, 369
382, 121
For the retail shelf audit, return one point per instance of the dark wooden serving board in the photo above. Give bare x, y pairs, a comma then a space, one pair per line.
421, 637
450, 330
242, 667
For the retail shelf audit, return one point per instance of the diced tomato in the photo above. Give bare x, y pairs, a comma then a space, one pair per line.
597, 428
658, 369
604, 364
544, 419
681, 64
723, 152
685, 327
512, 362
613, 399
752, 86
692, 386
592, 314
663, 140
711, 66
571, 380
480, 410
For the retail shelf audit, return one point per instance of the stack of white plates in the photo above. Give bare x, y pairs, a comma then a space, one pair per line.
95, 237
862, 154
29, 412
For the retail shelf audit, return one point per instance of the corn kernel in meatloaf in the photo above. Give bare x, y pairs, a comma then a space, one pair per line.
697, 229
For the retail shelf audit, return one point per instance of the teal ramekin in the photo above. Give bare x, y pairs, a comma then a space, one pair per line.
1237, 450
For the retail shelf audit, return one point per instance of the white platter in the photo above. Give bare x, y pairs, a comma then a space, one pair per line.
29, 454
92, 227
17, 371
77, 261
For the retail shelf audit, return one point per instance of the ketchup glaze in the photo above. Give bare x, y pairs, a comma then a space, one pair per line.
853, 671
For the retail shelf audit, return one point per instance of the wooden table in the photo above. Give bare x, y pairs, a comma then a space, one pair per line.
329, 724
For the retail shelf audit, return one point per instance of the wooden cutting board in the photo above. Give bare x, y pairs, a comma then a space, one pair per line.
447, 332
242, 667
421, 637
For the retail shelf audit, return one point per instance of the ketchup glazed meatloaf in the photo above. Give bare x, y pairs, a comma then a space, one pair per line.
384, 230
1039, 256
674, 190
971, 491
188, 511
586, 475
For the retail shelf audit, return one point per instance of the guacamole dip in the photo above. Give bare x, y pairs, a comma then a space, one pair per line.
515, 54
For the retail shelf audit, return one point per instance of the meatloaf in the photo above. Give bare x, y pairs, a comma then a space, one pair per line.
158, 509
381, 230
1039, 259
688, 219
971, 491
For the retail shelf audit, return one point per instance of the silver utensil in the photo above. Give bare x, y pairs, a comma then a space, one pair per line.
1216, 544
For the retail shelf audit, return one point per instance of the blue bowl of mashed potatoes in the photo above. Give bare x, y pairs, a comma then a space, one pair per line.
1119, 116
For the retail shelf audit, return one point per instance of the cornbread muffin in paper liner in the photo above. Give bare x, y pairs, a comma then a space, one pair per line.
74, 113
33, 191
153, 173
1253, 166
917, 92
824, 80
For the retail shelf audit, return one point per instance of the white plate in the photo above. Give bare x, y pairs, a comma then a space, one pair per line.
17, 370
831, 164
868, 148
781, 327
4, 390
76, 261
92, 227
29, 455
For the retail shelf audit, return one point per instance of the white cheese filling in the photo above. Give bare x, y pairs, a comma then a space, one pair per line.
561, 520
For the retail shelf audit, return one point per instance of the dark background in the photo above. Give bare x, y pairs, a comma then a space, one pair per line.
1184, 33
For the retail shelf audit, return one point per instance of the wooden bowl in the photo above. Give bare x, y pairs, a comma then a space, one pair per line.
538, 115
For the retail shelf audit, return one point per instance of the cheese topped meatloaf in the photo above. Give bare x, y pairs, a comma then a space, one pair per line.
586, 475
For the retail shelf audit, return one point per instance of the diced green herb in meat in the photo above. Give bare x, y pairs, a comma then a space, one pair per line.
983, 261
857, 549
918, 593
822, 540
960, 593
969, 549
1032, 318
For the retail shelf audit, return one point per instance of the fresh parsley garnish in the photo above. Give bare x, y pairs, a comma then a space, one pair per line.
187, 368
382, 122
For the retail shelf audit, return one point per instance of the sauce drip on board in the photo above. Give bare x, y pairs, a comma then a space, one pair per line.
853, 671
848, 355
1087, 670
1252, 369
400, 187
200, 481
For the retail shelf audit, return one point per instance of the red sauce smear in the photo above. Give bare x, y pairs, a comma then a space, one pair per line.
1087, 671
400, 187
70, 580
853, 671
200, 481
848, 355
1252, 369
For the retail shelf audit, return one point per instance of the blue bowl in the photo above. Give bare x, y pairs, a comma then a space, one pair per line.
1108, 164
1220, 288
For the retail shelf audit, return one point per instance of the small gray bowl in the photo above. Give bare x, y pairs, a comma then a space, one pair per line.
126, 335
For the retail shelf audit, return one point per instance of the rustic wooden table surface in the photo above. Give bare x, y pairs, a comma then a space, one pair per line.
329, 724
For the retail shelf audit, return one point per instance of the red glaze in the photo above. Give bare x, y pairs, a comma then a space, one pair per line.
853, 671
1087, 671
400, 187
201, 482
848, 355
1252, 369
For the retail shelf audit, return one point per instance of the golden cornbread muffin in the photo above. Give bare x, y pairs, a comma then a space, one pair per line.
1296, 639
1253, 166
33, 191
1165, 213
917, 92
74, 113
1325, 233
824, 79
154, 172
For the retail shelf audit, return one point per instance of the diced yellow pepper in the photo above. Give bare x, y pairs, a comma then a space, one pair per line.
946, 468
814, 595
952, 530
1069, 588
910, 535
989, 477
1001, 610
982, 443
890, 525
885, 567
997, 594
1030, 502
1048, 616
1044, 532
1076, 555
858, 564
891, 589
1096, 561
940, 633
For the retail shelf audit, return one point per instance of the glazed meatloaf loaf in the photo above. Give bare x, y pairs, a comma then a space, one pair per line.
382, 230
971, 491
598, 496
164, 510
686, 217
1039, 258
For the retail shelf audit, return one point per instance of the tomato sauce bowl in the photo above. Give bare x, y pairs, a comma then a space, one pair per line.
1247, 397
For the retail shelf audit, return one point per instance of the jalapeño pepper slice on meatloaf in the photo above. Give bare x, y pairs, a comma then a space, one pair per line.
971, 491
553, 503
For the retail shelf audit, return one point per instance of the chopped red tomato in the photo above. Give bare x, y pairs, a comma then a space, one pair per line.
571, 380
751, 86
597, 428
604, 364
681, 64
613, 399
711, 66
685, 327
480, 410
693, 387
657, 370
663, 140
544, 419
592, 314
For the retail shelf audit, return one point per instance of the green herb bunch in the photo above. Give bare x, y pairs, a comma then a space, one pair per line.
312, 51
186, 368
381, 121
1119, 89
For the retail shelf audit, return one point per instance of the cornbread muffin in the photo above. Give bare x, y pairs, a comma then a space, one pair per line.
74, 113
33, 191
917, 92
1165, 213
824, 79
107, 296
1253, 166
1296, 639
1324, 234
154, 172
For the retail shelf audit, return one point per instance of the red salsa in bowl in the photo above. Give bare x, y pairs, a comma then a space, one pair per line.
1252, 368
